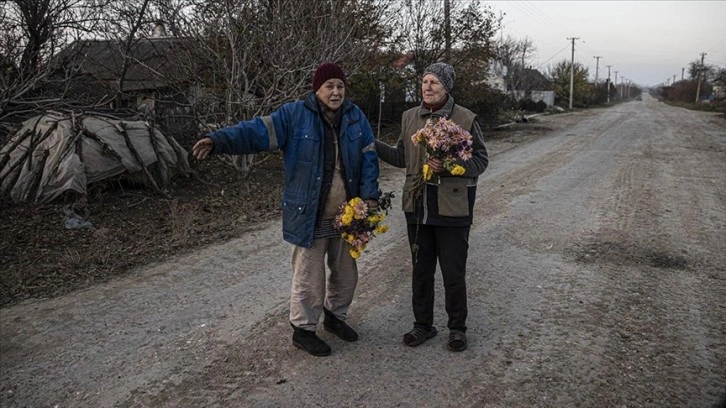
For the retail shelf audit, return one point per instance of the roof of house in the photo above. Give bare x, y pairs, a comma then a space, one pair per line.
153, 62
529, 79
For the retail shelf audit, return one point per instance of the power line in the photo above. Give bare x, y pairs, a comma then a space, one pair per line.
534, 16
713, 49
556, 54
539, 16
546, 16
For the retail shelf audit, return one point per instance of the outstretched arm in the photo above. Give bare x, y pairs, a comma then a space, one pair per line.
393, 155
203, 148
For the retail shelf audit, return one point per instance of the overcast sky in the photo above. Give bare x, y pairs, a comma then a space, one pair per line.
647, 42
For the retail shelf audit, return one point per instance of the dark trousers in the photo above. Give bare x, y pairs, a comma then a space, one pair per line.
450, 246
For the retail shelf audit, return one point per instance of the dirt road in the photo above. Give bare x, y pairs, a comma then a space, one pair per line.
597, 278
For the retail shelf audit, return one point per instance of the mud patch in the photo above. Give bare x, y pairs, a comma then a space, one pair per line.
628, 254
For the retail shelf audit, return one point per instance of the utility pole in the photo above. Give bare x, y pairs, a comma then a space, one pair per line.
608, 82
700, 70
683, 70
597, 66
674, 78
572, 69
616, 82
447, 30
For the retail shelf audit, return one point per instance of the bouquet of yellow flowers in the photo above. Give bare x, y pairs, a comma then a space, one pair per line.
358, 224
444, 140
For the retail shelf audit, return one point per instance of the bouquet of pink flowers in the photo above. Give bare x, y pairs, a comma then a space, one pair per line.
358, 224
444, 140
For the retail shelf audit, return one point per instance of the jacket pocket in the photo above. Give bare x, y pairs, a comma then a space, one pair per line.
453, 197
306, 145
294, 216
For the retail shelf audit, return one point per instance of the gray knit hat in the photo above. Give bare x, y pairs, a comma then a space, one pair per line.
444, 72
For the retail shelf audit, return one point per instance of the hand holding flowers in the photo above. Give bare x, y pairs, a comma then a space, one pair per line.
358, 222
446, 142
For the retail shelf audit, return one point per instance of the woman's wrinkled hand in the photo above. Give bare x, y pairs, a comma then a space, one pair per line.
372, 204
203, 148
435, 164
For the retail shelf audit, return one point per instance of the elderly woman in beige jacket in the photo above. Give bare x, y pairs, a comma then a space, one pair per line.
439, 213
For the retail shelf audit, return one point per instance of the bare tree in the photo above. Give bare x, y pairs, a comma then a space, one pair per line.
515, 54
259, 54
123, 22
472, 28
708, 72
33, 32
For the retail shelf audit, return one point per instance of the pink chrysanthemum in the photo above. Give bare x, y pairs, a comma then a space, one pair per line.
445, 140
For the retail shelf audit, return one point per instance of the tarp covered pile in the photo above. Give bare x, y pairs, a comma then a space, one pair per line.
55, 152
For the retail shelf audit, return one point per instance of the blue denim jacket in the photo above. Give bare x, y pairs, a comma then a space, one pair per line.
296, 128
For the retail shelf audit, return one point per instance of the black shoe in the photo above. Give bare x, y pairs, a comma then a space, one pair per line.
457, 340
338, 327
309, 341
418, 335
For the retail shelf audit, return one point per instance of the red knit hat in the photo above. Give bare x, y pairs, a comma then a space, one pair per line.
325, 71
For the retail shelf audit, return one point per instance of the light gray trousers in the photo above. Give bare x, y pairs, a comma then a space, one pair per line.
310, 292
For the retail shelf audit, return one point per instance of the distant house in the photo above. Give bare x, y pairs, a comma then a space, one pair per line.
153, 70
528, 83
155, 77
719, 86
496, 74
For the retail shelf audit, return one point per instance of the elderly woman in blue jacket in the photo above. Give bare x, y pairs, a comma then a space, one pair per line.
329, 157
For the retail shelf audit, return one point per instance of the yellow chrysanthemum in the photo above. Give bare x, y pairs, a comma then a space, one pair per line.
346, 219
427, 172
355, 201
381, 229
458, 170
354, 254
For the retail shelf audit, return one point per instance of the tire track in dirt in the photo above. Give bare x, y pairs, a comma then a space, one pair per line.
653, 298
549, 327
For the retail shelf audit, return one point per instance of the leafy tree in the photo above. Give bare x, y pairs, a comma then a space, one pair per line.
599, 94
560, 75
684, 91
